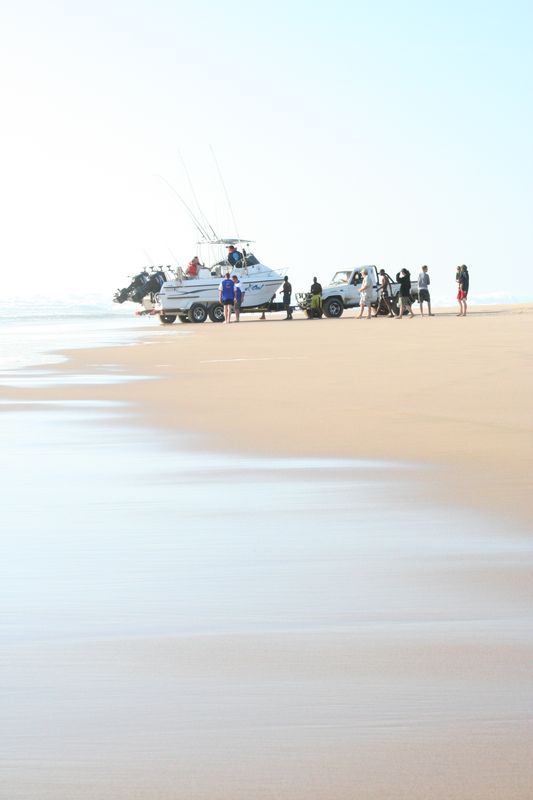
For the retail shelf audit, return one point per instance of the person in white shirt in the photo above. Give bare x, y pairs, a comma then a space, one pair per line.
366, 292
239, 297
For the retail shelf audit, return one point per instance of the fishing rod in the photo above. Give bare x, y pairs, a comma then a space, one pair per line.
197, 223
175, 271
225, 192
201, 213
147, 254
174, 256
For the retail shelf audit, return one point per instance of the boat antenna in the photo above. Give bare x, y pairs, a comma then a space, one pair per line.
197, 224
225, 192
200, 212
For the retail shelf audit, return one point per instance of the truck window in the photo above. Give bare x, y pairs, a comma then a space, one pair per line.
341, 277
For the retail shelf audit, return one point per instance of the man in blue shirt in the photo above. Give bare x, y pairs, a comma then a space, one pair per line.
233, 255
226, 295
239, 297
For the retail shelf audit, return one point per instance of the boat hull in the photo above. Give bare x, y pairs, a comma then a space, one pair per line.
178, 297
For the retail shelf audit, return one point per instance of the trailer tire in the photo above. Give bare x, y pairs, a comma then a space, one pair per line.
183, 317
216, 313
167, 319
197, 313
333, 307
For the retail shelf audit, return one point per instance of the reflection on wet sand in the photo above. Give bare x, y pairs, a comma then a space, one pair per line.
190, 625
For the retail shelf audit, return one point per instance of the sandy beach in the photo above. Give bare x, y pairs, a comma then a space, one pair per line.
443, 392
366, 630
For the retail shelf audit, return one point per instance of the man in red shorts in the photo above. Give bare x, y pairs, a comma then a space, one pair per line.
463, 284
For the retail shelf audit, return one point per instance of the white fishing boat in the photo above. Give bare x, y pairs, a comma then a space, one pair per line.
195, 298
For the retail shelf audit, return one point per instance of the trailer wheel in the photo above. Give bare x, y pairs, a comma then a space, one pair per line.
333, 307
183, 318
197, 313
167, 319
216, 313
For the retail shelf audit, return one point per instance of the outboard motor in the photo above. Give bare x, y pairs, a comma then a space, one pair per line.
154, 282
121, 295
142, 284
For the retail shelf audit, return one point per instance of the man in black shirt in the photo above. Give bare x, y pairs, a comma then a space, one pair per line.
287, 291
404, 279
316, 298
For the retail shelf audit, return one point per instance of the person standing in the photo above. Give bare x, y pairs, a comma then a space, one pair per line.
384, 293
404, 279
366, 292
226, 295
316, 298
233, 255
423, 291
287, 291
463, 285
239, 297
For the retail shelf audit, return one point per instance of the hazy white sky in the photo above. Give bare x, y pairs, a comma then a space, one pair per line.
394, 133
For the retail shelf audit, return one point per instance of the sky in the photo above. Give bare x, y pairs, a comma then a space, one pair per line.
346, 133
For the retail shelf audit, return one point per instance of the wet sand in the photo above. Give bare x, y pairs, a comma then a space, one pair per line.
367, 634
455, 394
372, 714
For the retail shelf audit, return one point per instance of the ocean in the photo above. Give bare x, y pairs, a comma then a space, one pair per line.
32, 333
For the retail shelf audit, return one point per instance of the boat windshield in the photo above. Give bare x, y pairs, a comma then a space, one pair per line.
250, 259
341, 277
222, 266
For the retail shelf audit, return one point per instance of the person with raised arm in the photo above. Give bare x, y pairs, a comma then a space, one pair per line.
463, 285
403, 277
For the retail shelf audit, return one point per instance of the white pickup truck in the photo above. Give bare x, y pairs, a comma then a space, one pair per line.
343, 292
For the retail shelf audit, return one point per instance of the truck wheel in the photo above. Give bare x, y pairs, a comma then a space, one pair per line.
167, 319
183, 318
333, 307
216, 313
197, 313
